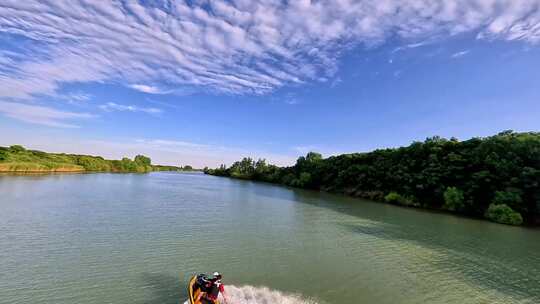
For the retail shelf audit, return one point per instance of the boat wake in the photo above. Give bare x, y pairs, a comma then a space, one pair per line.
261, 295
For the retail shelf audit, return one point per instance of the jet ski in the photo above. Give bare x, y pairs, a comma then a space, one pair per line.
196, 286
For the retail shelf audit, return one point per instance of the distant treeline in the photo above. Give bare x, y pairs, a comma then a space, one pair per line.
18, 159
174, 168
496, 177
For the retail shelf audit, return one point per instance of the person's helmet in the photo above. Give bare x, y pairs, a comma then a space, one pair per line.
217, 275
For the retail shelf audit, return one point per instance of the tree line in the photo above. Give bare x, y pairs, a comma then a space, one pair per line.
496, 177
17, 158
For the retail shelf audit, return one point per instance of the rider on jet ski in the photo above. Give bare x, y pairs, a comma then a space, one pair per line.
212, 289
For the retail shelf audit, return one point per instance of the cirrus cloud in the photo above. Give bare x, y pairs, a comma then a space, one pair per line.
41, 115
460, 54
111, 106
147, 89
231, 47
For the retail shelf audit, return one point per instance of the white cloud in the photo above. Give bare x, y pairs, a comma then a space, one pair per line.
410, 46
111, 106
236, 47
75, 97
460, 54
41, 115
147, 89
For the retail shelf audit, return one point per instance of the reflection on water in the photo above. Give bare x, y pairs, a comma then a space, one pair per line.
115, 238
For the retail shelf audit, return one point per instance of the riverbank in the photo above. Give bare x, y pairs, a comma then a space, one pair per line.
18, 167
17, 159
496, 177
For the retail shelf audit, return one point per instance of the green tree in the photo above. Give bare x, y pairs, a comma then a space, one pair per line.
127, 165
243, 169
453, 199
143, 160
313, 157
303, 180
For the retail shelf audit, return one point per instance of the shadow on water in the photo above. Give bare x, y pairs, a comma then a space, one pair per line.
164, 289
488, 255
475, 266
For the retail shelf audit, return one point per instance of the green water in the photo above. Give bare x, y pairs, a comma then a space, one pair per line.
116, 238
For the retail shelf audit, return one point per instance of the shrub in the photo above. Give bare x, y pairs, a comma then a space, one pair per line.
453, 199
289, 179
16, 149
370, 195
240, 175
503, 214
304, 180
396, 198
39, 154
392, 197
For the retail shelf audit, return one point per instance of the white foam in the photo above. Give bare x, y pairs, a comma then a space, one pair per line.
260, 295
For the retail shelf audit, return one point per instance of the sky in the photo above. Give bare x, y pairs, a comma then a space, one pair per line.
208, 82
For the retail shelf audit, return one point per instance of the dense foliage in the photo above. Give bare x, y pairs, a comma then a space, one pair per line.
17, 158
467, 177
503, 214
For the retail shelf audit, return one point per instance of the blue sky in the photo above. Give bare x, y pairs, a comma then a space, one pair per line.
207, 82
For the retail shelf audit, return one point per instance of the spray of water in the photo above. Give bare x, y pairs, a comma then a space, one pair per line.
261, 295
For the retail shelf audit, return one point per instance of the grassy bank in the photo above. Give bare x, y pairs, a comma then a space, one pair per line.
36, 167
18, 159
496, 177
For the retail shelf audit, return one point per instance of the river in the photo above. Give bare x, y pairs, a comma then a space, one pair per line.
137, 238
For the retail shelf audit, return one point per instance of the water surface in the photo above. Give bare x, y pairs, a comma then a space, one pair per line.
132, 238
